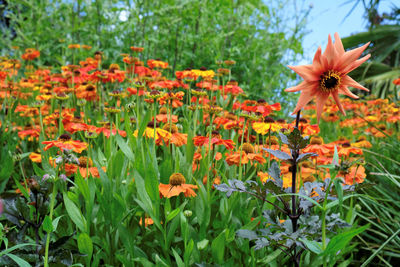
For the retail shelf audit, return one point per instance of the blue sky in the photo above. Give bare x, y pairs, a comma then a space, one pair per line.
328, 17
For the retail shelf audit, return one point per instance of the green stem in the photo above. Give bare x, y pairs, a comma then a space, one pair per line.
53, 197
324, 210
240, 150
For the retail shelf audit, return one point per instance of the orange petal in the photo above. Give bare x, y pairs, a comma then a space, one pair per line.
305, 97
306, 72
303, 86
349, 57
338, 44
344, 90
348, 81
321, 99
337, 100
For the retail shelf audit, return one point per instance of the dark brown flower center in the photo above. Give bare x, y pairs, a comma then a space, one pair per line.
170, 127
64, 137
347, 144
316, 140
84, 161
329, 81
177, 179
269, 120
248, 148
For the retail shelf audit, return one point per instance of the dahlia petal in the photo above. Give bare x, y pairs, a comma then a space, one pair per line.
344, 90
339, 104
317, 61
355, 64
303, 86
330, 52
348, 81
339, 45
348, 57
306, 72
320, 101
305, 97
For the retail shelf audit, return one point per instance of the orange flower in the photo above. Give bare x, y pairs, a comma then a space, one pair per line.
147, 222
165, 118
234, 158
178, 139
87, 92
317, 146
65, 142
215, 140
328, 75
32, 133
362, 142
30, 54
246, 156
35, 157
346, 149
137, 49
157, 64
379, 133
354, 174
177, 184
86, 168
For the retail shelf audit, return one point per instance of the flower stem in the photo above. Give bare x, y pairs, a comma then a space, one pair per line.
53, 197
240, 150
294, 217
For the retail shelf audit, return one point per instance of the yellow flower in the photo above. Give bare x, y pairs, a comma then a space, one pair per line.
264, 127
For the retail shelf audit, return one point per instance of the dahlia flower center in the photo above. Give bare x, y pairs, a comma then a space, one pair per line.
64, 137
248, 148
84, 161
176, 179
316, 140
170, 127
330, 81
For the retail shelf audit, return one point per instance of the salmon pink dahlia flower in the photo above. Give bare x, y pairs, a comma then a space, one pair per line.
327, 75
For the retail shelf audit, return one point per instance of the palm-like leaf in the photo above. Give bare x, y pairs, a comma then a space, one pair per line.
385, 49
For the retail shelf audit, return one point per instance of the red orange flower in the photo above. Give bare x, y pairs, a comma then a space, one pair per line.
65, 142
177, 184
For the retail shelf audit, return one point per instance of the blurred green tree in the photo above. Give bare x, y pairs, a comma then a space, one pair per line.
384, 33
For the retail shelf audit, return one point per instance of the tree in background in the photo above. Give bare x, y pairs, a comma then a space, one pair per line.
259, 35
384, 34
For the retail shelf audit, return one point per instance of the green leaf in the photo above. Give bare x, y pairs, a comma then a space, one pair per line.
244, 233
340, 241
85, 244
218, 247
47, 224
6, 251
252, 224
274, 171
74, 213
339, 191
19, 261
313, 246
125, 147
305, 156
279, 154
296, 141
202, 244
178, 259
335, 160
172, 214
